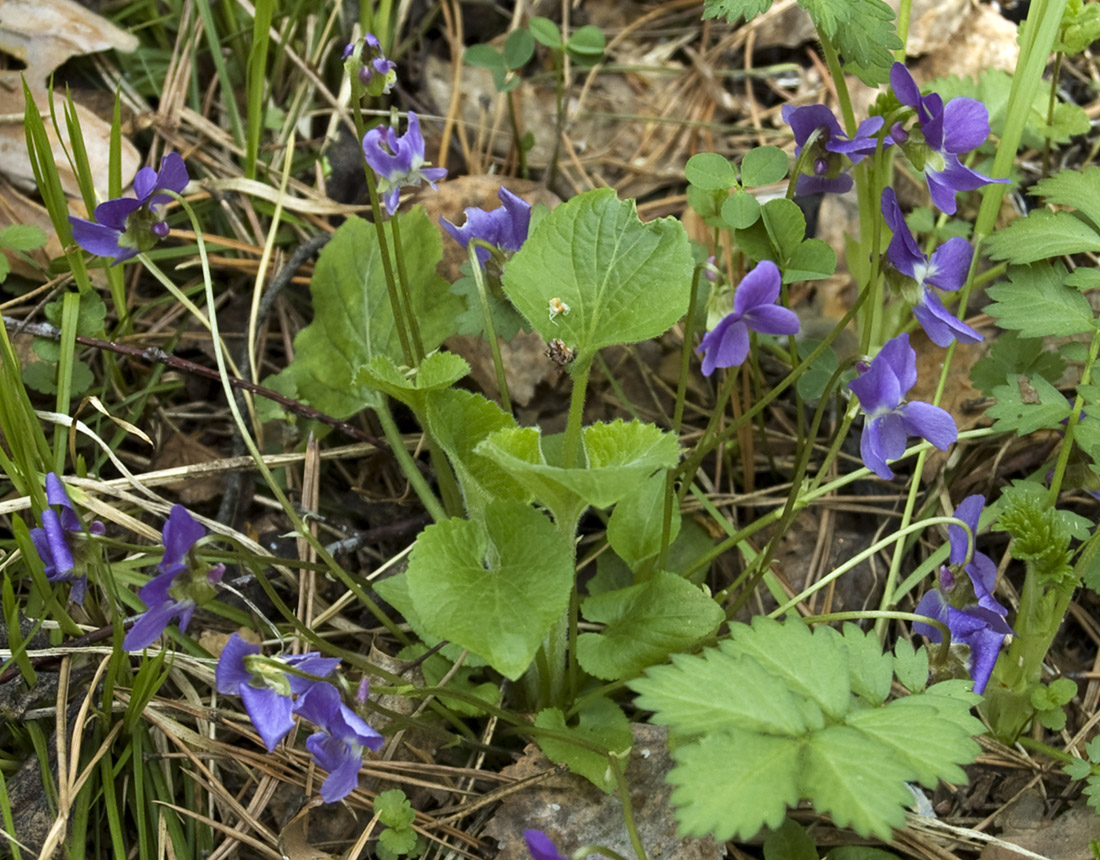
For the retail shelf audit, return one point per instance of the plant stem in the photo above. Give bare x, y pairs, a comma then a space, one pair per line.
407, 463
406, 297
487, 316
576, 414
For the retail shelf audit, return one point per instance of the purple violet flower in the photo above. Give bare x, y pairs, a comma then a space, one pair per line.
402, 164
947, 269
972, 614
505, 226
946, 132
178, 588
832, 150
127, 226
338, 746
754, 307
881, 388
366, 60
264, 687
52, 542
541, 846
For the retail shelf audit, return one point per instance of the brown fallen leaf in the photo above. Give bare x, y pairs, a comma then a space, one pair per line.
46, 33
180, 449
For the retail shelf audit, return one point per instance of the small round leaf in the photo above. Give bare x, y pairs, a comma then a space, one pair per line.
710, 172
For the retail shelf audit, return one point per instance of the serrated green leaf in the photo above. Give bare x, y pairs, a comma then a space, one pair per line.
740, 210
809, 664
1035, 302
495, 589
459, 421
920, 739
437, 371
712, 692
1026, 406
398, 841
90, 316
763, 165
1041, 235
601, 722
393, 809
621, 455
352, 318
644, 624
811, 261
22, 237
1069, 120
710, 172
1062, 690
1079, 189
624, 281
849, 776
634, 530
911, 665
1083, 279
545, 31
731, 10
1077, 769
730, 784
519, 47
790, 841
1009, 355
871, 670
864, 33
1052, 719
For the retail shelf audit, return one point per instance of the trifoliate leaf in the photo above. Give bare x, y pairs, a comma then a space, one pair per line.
601, 722
710, 172
698, 695
853, 779
623, 280
644, 624
1035, 302
1026, 406
352, 318
495, 589
809, 663
1041, 235
763, 165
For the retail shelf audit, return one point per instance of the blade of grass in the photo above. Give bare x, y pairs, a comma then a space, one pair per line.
257, 79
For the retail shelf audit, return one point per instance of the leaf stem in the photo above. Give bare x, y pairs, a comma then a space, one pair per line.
407, 463
487, 316
576, 414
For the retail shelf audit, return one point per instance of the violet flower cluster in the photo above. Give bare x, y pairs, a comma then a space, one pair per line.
180, 586
754, 308
881, 388
504, 227
271, 696
365, 60
398, 161
831, 150
966, 604
942, 134
541, 846
127, 226
63, 561
947, 269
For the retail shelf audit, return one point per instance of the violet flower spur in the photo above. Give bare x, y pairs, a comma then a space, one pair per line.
338, 746
52, 541
946, 132
365, 60
881, 388
541, 846
506, 226
402, 164
754, 307
946, 269
178, 588
971, 612
264, 688
127, 226
832, 149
